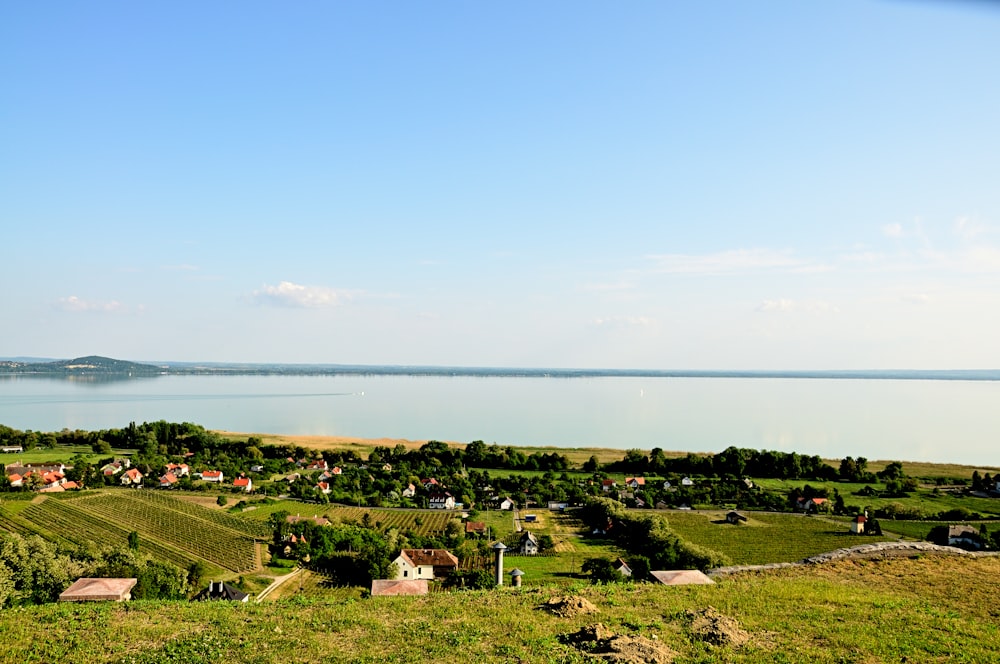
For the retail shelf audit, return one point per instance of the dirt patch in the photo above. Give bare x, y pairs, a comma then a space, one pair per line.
601, 644
710, 626
567, 607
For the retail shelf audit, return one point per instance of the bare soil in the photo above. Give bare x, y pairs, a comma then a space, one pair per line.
601, 644
710, 626
568, 607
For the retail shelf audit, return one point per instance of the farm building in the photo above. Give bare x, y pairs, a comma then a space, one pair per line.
529, 544
391, 587
99, 590
682, 577
424, 563
221, 591
858, 524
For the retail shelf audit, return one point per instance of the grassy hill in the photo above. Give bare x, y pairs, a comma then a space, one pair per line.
928, 609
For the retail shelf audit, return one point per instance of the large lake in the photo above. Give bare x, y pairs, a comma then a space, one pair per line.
934, 420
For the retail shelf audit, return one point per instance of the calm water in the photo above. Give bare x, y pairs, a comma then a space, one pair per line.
950, 421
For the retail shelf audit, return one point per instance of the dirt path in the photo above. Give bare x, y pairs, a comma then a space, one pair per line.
277, 582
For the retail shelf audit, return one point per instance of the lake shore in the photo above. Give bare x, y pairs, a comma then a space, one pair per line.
363, 446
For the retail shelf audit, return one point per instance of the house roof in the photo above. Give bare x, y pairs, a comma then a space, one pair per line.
91, 590
434, 557
169, 478
641, 481
212, 473
681, 577
388, 587
133, 474
241, 481
318, 520
529, 536
962, 531
819, 501
222, 591
475, 527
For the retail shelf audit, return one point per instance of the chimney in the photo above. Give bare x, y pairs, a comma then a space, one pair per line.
515, 577
499, 548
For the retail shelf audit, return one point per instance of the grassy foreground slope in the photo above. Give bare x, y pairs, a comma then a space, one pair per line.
929, 609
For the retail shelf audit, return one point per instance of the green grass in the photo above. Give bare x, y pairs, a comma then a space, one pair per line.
767, 537
930, 610
925, 500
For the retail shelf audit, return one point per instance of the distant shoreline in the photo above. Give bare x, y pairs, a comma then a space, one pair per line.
96, 365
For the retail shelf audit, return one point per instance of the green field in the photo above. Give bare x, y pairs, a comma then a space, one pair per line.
930, 610
925, 500
767, 537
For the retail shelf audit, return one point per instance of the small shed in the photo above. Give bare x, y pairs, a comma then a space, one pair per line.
858, 524
392, 587
99, 590
681, 577
735, 518
222, 591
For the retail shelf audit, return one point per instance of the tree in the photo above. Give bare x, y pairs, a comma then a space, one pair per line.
221, 501
601, 570
133, 541
591, 465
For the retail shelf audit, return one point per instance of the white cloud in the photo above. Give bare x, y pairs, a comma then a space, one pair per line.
893, 230
288, 294
804, 306
737, 261
916, 298
75, 304
623, 321
970, 228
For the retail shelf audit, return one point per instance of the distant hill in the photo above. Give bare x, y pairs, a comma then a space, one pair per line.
91, 364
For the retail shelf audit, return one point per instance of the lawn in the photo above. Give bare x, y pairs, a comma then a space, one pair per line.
767, 537
931, 610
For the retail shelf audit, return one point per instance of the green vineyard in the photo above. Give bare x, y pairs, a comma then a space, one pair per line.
179, 525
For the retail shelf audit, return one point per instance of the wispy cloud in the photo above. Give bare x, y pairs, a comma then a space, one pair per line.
734, 262
74, 304
288, 294
623, 321
797, 306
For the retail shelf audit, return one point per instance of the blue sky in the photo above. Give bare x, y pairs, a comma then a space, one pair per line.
786, 185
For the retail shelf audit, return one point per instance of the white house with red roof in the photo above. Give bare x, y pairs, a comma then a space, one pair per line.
178, 469
132, 477
212, 476
168, 480
424, 563
244, 483
319, 464
323, 487
635, 482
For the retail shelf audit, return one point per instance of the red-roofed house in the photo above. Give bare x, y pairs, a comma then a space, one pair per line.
132, 477
244, 483
635, 482
212, 476
424, 563
178, 469
168, 480
320, 464
15, 480
608, 485
323, 487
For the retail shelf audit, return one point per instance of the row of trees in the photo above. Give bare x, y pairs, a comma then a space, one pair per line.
647, 536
